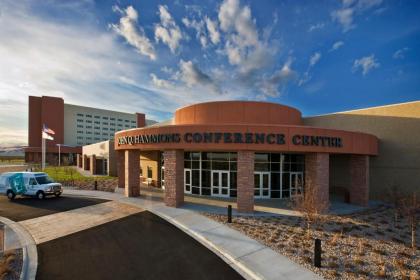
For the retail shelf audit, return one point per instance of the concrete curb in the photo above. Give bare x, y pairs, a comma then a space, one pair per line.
251, 259
29, 251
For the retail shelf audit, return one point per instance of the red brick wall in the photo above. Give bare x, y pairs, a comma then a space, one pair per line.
141, 120
359, 179
132, 173
34, 121
52, 114
245, 181
174, 177
121, 168
317, 174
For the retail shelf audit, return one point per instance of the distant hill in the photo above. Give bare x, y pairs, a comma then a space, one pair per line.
17, 151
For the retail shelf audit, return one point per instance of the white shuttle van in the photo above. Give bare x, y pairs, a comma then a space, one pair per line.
37, 184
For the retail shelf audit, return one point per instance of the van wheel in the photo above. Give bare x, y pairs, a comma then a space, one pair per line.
11, 195
40, 195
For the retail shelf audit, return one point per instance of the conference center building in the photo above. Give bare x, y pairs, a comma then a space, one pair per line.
246, 151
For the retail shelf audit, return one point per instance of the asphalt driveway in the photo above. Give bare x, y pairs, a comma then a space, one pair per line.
24, 208
140, 246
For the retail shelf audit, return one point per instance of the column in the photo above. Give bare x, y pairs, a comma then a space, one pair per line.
132, 172
77, 160
121, 168
359, 180
317, 175
174, 177
85, 162
245, 181
93, 164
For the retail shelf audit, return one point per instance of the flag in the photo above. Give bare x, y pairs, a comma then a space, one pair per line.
46, 136
47, 130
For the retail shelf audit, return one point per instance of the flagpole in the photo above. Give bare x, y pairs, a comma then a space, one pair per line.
43, 153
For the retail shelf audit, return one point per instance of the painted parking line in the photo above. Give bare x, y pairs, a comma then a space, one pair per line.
53, 226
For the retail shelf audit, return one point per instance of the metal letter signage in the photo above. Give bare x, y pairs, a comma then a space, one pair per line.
231, 138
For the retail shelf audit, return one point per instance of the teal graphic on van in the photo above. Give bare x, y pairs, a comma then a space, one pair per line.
17, 184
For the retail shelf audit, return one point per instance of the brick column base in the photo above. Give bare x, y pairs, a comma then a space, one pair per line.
317, 175
174, 177
93, 164
132, 172
359, 180
245, 182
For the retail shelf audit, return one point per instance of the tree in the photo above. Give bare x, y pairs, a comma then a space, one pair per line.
310, 205
410, 205
395, 197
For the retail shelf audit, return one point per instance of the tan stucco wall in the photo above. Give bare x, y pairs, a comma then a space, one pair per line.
398, 129
103, 150
150, 159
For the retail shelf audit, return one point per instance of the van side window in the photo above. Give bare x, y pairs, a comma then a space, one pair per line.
32, 182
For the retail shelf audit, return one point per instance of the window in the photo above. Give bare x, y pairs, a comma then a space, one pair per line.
104, 128
80, 115
96, 122
89, 127
88, 132
104, 118
88, 116
79, 120
97, 133
79, 126
133, 126
97, 117
133, 122
127, 126
79, 137
80, 131
97, 127
120, 125
106, 134
120, 120
112, 119
112, 124
96, 138
104, 123
127, 121
88, 121
149, 172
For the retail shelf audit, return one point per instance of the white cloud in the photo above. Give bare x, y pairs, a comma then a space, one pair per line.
274, 85
400, 54
199, 27
366, 64
316, 26
160, 83
133, 35
191, 75
336, 46
314, 58
212, 30
167, 30
351, 8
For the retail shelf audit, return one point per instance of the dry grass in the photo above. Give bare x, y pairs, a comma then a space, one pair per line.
358, 246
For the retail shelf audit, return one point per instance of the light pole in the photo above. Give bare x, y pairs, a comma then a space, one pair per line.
59, 152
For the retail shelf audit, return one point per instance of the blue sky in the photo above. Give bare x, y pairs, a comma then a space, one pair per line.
155, 56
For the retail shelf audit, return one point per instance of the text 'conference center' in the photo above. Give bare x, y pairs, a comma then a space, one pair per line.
258, 150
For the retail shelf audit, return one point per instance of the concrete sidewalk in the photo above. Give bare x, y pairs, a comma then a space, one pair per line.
250, 258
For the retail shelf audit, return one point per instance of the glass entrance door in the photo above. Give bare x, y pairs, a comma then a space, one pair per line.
262, 184
296, 183
187, 180
220, 183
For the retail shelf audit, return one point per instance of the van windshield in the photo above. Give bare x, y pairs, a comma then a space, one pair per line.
43, 179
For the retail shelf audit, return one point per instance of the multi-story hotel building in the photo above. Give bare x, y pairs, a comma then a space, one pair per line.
74, 127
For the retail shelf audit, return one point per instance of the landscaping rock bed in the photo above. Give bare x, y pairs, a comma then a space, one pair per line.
11, 264
360, 246
107, 185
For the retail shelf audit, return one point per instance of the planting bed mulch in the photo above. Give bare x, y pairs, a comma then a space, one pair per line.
11, 264
366, 245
